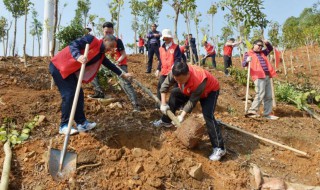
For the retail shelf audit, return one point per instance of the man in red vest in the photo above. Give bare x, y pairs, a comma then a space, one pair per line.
194, 84
64, 68
227, 54
120, 57
141, 45
211, 52
261, 72
169, 54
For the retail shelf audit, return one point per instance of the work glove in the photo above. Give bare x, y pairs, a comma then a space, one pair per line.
180, 118
164, 108
157, 73
249, 59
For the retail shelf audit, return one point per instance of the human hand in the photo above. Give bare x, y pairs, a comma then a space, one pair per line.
157, 73
180, 118
82, 59
127, 76
265, 41
249, 59
164, 108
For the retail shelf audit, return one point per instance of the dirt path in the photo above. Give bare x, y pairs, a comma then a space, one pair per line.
134, 155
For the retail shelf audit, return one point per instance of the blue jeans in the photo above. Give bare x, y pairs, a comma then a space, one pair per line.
178, 99
67, 88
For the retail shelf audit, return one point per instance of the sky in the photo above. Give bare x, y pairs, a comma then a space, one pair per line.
276, 10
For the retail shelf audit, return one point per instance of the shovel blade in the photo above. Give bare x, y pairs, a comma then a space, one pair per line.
68, 167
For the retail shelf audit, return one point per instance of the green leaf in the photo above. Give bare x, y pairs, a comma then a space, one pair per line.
317, 98
3, 133
26, 131
14, 133
23, 137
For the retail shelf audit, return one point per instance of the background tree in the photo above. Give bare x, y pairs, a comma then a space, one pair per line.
135, 7
17, 9
27, 5
226, 33
84, 7
115, 8
212, 11
91, 21
273, 33
56, 2
3, 26
176, 5
196, 18
98, 26
36, 26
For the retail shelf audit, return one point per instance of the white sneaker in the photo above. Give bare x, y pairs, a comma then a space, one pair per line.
86, 126
64, 130
271, 117
160, 123
217, 154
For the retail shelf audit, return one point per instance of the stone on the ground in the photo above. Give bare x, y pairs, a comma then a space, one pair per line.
190, 132
196, 172
138, 168
137, 152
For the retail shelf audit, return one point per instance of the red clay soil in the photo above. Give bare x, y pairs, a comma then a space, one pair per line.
132, 154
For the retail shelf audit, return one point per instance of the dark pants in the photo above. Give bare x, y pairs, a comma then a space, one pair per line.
161, 80
213, 57
227, 63
127, 87
195, 54
141, 49
183, 58
67, 88
178, 99
153, 49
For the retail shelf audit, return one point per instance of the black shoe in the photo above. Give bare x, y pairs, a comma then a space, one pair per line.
97, 95
148, 72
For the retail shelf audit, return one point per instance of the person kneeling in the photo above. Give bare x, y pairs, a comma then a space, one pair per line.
194, 84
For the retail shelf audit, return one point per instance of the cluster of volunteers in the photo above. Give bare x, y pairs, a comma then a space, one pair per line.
185, 83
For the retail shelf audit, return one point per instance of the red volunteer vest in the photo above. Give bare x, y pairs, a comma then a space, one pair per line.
209, 49
197, 75
256, 70
67, 65
117, 55
182, 49
227, 50
167, 58
141, 42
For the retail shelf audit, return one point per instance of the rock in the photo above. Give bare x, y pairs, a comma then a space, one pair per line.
137, 152
87, 156
273, 183
190, 132
115, 105
114, 154
138, 169
256, 178
196, 172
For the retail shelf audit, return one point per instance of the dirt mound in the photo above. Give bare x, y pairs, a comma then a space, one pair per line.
127, 152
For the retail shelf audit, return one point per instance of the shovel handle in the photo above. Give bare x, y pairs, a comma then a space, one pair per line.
73, 109
247, 90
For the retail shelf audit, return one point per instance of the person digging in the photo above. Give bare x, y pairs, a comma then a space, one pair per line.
194, 84
261, 72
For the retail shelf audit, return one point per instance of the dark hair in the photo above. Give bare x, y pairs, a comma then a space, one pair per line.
107, 24
180, 68
256, 41
154, 25
232, 39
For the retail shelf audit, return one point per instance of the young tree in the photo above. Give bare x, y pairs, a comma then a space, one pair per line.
17, 9
176, 5
27, 5
226, 33
212, 11
98, 26
55, 12
196, 21
3, 26
273, 33
115, 7
84, 7
135, 10
36, 25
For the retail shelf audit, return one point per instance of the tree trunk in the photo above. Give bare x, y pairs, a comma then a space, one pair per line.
198, 46
33, 46
7, 40
240, 49
54, 28
119, 6
212, 28
188, 30
308, 56
177, 10
39, 45
25, 34
14, 35
135, 35
4, 46
291, 57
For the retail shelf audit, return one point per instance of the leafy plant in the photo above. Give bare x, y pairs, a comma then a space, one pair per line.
9, 131
70, 33
240, 75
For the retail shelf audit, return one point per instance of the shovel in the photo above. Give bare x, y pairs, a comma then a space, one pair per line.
247, 91
63, 163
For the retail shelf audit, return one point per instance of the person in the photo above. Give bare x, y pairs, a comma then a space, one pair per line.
194, 48
211, 52
120, 57
64, 68
261, 71
169, 54
141, 45
183, 56
186, 45
227, 54
194, 84
154, 44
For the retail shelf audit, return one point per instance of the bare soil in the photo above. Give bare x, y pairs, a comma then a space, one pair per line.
132, 154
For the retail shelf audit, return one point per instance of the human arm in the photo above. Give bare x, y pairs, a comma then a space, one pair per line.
120, 48
195, 97
269, 47
169, 81
79, 44
245, 61
234, 44
177, 55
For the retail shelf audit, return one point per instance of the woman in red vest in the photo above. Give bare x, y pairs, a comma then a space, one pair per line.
227, 54
64, 68
194, 84
211, 52
261, 72
169, 55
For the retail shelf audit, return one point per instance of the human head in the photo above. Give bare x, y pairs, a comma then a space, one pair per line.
205, 43
154, 27
180, 72
107, 28
190, 35
167, 36
109, 42
232, 40
257, 45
